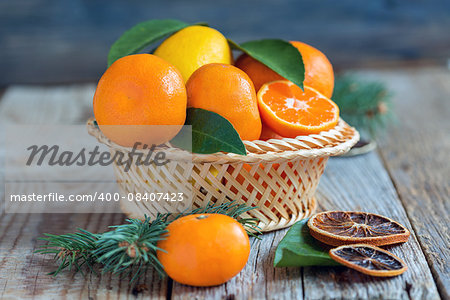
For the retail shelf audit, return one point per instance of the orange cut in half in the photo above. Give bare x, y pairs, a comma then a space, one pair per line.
347, 227
291, 111
369, 260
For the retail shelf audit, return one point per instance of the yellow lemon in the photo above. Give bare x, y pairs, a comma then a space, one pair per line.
212, 170
193, 47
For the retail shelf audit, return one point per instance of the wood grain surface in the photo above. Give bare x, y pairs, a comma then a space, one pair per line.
402, 181
422, 177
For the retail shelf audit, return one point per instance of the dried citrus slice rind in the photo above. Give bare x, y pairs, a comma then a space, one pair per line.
369, 260
345, 227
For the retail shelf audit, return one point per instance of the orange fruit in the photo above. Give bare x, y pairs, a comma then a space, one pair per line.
369, 260
228, 91
346, 227
267, 133
204, 249
291, 112
138, 90
318, 69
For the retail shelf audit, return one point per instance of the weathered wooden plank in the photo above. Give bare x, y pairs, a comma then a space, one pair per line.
416, 154
68, 104
361, 183
23, 274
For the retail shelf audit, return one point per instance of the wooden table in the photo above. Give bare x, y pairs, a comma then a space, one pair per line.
406, 179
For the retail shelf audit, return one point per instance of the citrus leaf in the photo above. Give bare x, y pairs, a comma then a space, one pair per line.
141, 36
299, 249
211, 133
279, 55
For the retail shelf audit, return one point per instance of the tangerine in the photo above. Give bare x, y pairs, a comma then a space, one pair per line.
228, 91
318, 69
291, 112
204, 249
267, 133
139, 90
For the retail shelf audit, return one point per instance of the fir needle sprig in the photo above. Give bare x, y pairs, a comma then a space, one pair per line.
366, 105
130, 247
231, 209
72, 250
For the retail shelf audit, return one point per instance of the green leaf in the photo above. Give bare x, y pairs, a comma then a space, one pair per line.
279, 55
211, 133
299, 249
141, 36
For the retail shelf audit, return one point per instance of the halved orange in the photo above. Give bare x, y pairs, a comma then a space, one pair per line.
346, 227
291, 112
369, 260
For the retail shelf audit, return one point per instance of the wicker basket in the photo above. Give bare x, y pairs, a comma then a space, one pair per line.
279, 177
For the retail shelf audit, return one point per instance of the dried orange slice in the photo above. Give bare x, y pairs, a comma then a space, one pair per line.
369, 260
345, 227
291, 112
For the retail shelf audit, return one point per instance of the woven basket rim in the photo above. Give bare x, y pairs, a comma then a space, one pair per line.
335, 141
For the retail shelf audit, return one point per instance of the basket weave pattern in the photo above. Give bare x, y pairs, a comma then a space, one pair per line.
279, 176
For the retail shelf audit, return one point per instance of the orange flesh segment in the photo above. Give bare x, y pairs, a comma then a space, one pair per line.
291, 111
290, 103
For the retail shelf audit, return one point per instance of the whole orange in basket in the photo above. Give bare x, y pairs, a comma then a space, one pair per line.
318, 69
139, 90
291, 112
204, 249
267, 133
228, 91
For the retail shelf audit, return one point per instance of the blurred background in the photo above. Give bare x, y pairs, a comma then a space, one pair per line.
61, 41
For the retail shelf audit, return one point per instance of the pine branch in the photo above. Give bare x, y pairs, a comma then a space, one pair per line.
231, 209
365, 105
130, 247
72, 250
